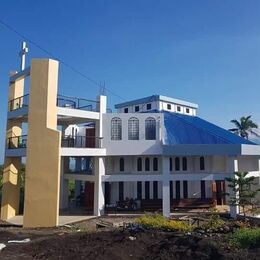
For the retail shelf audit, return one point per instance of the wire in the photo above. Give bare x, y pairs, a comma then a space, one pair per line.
56, 58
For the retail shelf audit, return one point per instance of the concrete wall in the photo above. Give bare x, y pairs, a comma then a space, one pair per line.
42, 180
132, 147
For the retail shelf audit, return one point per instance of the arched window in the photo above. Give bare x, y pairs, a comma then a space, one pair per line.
116, 128
155, 164
147, 164
133, 128
170, 162
177, 164
150, 128
121, 164
184, 163
139, 164
202, 163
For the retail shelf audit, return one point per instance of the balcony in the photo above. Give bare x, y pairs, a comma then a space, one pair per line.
67, 141
81, 141
62, 101
17, 142
18, 103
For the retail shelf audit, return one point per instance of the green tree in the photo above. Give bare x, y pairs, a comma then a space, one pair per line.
242, 184
244, 127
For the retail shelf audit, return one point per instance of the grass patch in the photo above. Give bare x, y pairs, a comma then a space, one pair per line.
158, 221
246, 238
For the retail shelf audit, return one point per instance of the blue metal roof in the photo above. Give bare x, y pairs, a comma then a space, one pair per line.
184, 129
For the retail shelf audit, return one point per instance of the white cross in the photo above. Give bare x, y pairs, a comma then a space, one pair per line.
22, 53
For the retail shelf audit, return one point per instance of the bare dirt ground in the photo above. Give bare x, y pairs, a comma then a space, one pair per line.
83, 241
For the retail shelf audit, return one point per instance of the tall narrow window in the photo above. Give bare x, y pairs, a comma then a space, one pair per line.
202, 163
139, 190
202, 189
178, 189
121, 164
155, 164
133, 128
171, 190
147, 164
155, 190
177, 164
139, 164
185, 189
126, 110
150, 128
121, 191
147, 190
170, 162
116, 128
184, 163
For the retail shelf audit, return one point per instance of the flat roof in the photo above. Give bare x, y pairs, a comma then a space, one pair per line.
156, 98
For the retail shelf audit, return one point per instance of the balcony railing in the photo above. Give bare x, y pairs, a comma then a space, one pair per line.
62, 101
81, 172
77, 103
68, 141
19, 102
17, 142
81, 141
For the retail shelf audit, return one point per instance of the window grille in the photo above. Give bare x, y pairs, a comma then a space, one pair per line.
150, 129
116, 128
133, 129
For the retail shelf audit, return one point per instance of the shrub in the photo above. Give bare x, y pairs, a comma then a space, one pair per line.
246, 238
160, 222
214, 220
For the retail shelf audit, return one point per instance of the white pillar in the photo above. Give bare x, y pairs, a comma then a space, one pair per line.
166, 187
232, 167
99, 191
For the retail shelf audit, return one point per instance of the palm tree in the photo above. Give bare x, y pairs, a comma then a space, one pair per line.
244, 127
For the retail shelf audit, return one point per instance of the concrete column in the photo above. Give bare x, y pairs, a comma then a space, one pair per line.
232, 167
12, 165
166, 187
42, 180
99, 190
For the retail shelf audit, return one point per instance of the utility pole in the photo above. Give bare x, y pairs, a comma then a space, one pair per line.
22, 54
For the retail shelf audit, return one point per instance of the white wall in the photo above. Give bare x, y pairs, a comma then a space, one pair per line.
132, 147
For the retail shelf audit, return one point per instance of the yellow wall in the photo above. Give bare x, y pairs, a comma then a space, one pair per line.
42, 180
12, 165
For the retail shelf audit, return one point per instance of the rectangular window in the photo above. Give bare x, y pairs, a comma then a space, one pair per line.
148, 106
169, 107
178, 108
185, 189
155, 190
187, 110
136, 108
126, 110
178, 189
202, 189
121, 191
147, 190
139, 190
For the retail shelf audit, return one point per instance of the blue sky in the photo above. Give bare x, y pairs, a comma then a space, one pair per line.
207, 52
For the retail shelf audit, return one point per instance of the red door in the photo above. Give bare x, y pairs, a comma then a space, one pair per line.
90, 137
